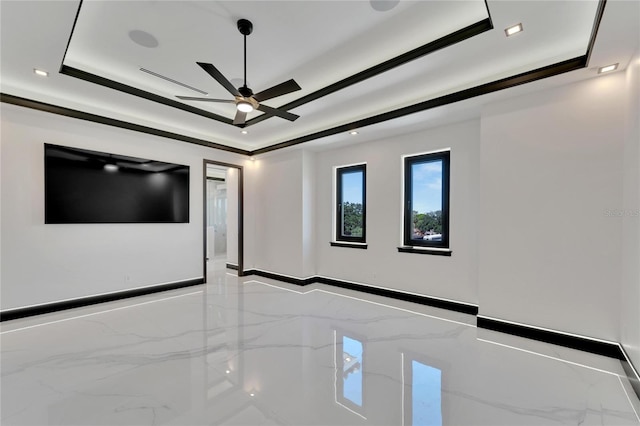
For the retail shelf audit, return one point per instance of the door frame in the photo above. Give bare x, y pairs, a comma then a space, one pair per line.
205, 162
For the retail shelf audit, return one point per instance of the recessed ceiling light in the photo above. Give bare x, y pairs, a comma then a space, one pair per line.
252, 394
244, 132
40, 72
353, 133
252, 158
513, 30
608, 68
228, 371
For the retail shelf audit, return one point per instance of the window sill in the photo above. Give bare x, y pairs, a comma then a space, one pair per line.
425, 250
348, 245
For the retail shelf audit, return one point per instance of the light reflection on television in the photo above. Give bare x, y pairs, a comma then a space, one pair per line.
426, 399
352, 370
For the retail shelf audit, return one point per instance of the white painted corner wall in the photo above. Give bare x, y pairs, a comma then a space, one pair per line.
47, 263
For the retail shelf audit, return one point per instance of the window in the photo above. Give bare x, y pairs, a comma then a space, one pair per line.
351, 203
426, 200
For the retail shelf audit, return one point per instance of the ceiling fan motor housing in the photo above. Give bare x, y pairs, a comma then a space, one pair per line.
245, 27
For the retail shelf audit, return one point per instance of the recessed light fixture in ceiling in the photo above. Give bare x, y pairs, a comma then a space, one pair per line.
244, 132
353, 132
143, 38
41, 73
514, 29
383, 5
608, 68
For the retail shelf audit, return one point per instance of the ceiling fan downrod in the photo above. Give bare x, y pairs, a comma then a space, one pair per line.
245, 27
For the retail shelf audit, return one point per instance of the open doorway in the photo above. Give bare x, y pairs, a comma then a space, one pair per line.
223, 218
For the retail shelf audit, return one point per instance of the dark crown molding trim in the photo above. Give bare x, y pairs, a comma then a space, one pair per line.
441, 43
484, 89
47, 308
54, 109
594, 30
522, 78
393, 294
73, 28
586, 344
111, 84
505, 83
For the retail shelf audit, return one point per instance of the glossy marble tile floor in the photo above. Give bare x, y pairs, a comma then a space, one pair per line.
254, 351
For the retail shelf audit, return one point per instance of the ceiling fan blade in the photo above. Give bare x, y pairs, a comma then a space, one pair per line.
240, 117
280, 113
277, 90
192, 98
213, 72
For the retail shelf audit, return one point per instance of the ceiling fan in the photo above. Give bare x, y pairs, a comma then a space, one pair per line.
245, 100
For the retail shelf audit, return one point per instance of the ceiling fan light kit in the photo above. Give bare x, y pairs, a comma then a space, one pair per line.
245, 100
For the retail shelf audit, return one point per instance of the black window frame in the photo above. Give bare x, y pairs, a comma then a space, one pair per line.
338, 212
445, 157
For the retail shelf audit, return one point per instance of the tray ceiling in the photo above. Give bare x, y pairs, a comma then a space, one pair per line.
317, 43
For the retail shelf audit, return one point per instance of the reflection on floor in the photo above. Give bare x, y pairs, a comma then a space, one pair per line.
249, 352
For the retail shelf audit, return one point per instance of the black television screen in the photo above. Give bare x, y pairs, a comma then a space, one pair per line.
83, 186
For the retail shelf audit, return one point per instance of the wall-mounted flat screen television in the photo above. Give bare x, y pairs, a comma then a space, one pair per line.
83, 186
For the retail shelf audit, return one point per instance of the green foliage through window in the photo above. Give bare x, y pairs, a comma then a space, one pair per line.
352, 219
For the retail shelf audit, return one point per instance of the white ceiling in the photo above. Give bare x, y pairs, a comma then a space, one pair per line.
315, 42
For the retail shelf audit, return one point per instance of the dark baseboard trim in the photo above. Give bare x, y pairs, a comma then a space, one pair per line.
393, 294
232, 266
585, 344
630, 371
92, 300
399, 295
279, 277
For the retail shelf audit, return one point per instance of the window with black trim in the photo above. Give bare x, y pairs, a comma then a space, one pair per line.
351, 204
426, 200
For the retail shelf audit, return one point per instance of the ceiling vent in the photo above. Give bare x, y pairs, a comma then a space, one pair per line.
155, 74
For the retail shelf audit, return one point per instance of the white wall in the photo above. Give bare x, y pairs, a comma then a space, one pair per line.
381, 264
550, 169
275, 203
45, 263
308, 214
630, 319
